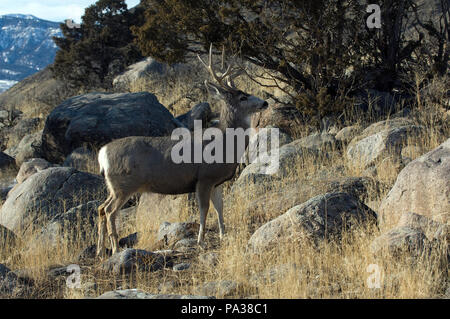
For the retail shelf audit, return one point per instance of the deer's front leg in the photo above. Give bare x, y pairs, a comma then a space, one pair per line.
217, 200
203, 193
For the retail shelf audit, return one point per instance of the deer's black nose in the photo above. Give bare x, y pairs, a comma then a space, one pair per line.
265, 104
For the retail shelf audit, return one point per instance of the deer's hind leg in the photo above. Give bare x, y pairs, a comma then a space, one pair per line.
101, 250
111, 210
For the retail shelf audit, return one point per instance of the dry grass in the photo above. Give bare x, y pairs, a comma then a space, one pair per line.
330, 270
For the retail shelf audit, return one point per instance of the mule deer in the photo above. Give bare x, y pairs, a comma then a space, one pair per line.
144, 164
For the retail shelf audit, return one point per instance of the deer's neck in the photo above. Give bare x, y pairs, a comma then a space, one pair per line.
231, 124
231, 118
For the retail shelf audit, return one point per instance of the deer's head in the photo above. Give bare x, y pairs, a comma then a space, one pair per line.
223, 87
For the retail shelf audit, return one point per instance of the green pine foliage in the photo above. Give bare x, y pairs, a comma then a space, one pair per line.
90, 56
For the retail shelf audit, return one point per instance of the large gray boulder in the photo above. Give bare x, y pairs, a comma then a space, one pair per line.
321, 217
29, 147
381, 140
422, 187
46, 194
77, 224
140, 70
94, 119
253, 199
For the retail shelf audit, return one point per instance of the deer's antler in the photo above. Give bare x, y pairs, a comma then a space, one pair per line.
225, 80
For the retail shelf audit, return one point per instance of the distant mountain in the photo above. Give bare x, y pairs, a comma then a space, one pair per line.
26, 47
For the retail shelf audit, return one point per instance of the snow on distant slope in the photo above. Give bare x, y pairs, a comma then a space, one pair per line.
26, 46
5, 84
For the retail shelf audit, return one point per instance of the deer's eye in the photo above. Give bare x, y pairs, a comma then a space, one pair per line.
244, 98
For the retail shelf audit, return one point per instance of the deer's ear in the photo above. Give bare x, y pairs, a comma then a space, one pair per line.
215, 90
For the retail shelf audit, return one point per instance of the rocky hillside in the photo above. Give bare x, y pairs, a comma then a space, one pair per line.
354, 195
359, 207
26, 46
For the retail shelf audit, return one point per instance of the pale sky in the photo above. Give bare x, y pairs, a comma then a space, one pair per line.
52, 10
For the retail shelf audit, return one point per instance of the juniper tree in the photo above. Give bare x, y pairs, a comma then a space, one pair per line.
90, 56
321, 49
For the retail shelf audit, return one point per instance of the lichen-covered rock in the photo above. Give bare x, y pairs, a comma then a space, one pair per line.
401, 241
363, 152
47, 194
422, 187
77, 224
321, 217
